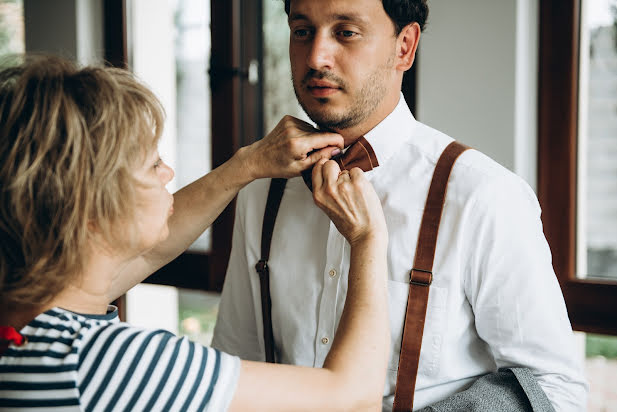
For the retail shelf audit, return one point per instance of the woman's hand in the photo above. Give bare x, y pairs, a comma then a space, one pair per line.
350, 202
293, 146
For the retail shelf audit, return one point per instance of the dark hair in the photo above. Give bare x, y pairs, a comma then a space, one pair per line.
401, 12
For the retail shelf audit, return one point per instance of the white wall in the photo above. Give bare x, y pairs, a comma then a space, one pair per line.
477, 77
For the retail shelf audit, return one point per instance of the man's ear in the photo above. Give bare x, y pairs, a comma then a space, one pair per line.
406, 46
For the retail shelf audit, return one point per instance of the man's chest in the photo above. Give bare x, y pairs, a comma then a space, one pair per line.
309, 263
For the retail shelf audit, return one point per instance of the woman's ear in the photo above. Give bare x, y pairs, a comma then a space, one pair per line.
93, 229
406, 46
96, 239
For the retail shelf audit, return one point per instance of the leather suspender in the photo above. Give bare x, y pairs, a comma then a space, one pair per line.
275, 194
420, 277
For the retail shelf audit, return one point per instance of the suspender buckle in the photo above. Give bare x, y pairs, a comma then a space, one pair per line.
262, 266
420, 277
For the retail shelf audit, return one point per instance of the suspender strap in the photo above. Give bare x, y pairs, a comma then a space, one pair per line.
275, 194
420, 279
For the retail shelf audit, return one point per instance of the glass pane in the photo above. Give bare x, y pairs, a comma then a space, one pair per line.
11, 27
182, 312
597, 181
192, 50
170, 50
601, 368
279, 96
197, 314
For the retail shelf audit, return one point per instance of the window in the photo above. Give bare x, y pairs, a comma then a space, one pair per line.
597, 142
11, 27
203, 60
169, 49
279, 96
569, 158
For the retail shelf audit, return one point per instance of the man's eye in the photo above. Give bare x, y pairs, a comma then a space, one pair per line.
301, 33
158, 163
347, 33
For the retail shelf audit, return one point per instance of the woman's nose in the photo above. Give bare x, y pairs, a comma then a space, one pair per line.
167, 173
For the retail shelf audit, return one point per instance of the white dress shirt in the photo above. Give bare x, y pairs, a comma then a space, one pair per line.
494, 301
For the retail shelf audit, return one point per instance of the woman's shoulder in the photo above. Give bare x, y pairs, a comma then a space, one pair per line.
150, 368
154, 370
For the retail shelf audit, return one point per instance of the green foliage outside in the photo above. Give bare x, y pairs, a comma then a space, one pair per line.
5, 36
197, 315
11, 26
206, 320
599, 345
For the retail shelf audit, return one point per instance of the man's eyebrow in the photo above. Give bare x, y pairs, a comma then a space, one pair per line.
356, 18
296, 16
337, 17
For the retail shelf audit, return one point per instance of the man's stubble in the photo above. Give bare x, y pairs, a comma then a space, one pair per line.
363, 103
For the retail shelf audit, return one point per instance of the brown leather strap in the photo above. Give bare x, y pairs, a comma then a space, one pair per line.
275, 194
420, 279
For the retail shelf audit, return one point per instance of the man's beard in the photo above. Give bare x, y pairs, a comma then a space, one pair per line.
363, 103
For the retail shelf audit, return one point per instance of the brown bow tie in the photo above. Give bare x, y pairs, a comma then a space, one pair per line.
359, 154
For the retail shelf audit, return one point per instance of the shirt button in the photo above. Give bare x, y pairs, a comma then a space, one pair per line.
325, 340
332, 273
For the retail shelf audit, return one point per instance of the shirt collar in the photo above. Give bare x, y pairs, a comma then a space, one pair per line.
387, 137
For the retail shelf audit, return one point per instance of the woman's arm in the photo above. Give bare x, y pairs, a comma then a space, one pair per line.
353, 374
291, 147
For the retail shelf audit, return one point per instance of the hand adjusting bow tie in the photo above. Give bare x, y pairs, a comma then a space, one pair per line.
359, 154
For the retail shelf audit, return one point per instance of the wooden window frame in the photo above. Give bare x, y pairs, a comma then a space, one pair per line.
237, 118
591, 303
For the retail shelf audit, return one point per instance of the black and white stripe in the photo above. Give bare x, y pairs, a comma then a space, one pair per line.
78, 362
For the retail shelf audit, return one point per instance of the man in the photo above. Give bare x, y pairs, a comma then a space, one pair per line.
494, 300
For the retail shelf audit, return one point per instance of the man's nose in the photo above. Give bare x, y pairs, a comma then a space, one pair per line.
321, 53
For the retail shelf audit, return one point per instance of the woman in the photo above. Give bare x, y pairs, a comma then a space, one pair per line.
85, 216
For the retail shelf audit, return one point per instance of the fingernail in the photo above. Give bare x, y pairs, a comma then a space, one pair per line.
335, 152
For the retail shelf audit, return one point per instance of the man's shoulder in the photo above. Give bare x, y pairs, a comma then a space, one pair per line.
474, 174
490, 186
432, 142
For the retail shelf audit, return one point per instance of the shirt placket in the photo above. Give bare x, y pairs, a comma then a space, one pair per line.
327, 307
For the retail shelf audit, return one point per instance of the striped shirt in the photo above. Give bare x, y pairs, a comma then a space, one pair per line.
75, 362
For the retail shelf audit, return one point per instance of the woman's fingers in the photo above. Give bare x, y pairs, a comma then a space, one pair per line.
357, 174
318, 175
349, 200
319, 144
330, 173
325, 153
293, 146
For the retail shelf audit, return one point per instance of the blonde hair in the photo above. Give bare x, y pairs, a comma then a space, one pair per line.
70, 141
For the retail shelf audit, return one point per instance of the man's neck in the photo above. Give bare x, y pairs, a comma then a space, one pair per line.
352, 134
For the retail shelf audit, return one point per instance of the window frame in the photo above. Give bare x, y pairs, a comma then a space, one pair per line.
591, 303
237, 112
